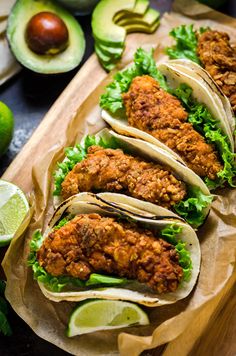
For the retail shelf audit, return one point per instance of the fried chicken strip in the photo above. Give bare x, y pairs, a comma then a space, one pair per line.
92, 243
153, 110
219, 59
112, 170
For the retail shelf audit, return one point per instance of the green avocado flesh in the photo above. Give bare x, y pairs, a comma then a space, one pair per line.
113, 19
113, 52
139, 9
148, 19
141, 28
104, 29
65, 61
106, 61
107, 54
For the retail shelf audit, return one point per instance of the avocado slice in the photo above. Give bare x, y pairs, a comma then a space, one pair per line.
149, 18
141, 28
139, 9
21, 14
107, 63
104, 57
104, 29
111, 52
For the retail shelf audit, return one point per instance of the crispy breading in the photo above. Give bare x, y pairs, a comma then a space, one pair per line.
92, 243
219, 59
112, 170
153, 110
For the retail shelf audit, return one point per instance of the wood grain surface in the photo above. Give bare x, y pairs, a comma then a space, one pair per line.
215, 330
56, 120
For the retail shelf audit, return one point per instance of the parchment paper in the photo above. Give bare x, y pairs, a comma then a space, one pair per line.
217, 236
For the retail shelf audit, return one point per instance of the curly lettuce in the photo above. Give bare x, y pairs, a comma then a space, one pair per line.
170, 233
203, 122
77, 154
57, 284
192, 209
186, 43
144, 63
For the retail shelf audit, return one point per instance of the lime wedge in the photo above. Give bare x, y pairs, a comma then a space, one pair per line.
13, 208
95, 315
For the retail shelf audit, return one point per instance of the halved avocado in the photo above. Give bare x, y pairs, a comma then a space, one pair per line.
64, 61
139, 9
104, 29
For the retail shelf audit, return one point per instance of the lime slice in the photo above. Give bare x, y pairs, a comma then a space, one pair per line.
95, 315
13, 208
6, 127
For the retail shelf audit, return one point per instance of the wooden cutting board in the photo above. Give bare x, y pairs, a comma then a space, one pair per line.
213, 333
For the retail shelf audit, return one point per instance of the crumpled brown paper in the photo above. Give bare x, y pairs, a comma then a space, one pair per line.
217, 236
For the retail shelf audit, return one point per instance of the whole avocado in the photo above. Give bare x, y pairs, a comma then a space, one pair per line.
44, 37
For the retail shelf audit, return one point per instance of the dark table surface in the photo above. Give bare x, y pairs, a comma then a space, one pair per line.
30, 96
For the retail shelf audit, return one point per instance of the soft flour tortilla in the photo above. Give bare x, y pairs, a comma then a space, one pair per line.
90, 203
154, 154
202, 93
188, 67
180, 324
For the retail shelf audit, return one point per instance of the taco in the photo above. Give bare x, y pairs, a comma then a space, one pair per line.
103, 246
175, 110
191, 68
212, 50
109, 162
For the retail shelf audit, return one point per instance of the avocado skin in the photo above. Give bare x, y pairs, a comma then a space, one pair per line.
21, 13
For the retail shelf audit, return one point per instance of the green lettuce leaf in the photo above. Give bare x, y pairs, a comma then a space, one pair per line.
2, 287
57, 284
192, 208
184, 260
144, 63
96, 279
77, 154
170, 233
186, 43
203, 122
5, 327
61, 223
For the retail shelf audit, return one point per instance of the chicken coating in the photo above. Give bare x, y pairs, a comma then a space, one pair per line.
219, 59
153, 110
91, 243
112, 170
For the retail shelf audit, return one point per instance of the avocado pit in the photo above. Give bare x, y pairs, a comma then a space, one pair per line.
46, 33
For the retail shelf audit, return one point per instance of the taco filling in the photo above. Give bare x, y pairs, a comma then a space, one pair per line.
91, 243
143, 98
212, 50
151, 109
111, 170
218, 57
104, 164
